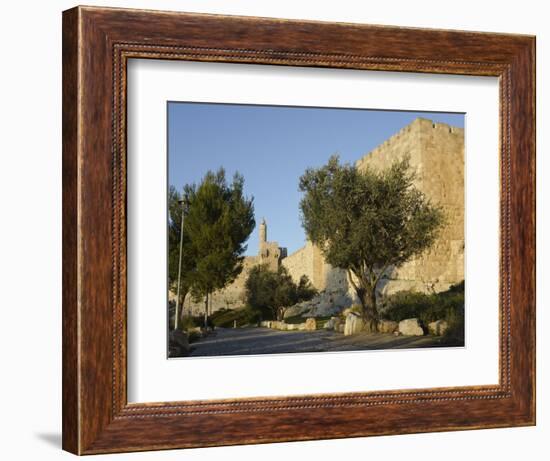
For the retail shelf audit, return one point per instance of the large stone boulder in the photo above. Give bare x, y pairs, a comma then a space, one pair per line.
353, 325
195, 330
411, 327
311, 324
297, 309
326, 302
332, 323
438, 327
178, 344
387, 326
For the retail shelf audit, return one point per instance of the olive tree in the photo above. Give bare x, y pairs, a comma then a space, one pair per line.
367, 222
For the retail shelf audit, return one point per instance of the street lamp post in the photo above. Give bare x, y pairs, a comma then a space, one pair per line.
181, 202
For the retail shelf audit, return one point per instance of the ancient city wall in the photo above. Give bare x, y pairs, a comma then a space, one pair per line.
436, 151
306, 261
309, 261
231, 297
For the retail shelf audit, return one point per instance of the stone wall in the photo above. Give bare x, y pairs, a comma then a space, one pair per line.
436, 153
230, 297
331, 283
309, 261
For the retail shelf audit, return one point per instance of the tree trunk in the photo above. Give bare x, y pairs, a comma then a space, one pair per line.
367, 296
373, 310
206, 311
181, 313
366, 293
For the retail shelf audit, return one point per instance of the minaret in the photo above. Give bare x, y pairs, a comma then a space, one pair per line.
263, 233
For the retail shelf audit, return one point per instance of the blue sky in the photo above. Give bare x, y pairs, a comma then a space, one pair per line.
271, 146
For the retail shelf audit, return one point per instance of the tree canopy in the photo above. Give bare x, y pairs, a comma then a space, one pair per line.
274, 292
218, 222
367, 222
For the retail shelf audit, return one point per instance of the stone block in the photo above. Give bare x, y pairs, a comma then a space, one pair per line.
411, 327
353, 325
311, 324
387, 326
178, 344
438, 327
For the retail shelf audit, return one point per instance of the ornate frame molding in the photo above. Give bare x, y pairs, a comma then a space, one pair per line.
97, 43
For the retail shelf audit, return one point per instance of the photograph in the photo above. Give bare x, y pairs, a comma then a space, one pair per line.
313, 229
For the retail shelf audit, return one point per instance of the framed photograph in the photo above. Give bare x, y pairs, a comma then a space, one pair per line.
281, 230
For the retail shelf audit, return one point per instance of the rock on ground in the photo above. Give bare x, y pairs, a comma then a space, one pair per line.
332, 323
438, 327
297, 309
311, 324
411, 327
178, 344
387, 326
327, 302
354, 324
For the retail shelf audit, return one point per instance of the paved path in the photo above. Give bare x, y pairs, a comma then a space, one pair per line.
246, 341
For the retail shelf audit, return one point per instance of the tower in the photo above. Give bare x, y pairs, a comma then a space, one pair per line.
263, 232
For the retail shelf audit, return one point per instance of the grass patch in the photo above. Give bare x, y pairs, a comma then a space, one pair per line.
322, 320
227, 318
295, 319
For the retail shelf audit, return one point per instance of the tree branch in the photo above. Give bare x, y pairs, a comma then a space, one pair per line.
381, 273
350, 277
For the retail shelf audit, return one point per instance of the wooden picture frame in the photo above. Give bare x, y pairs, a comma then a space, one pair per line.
97, 43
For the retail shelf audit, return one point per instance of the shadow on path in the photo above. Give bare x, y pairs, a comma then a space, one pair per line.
248, 341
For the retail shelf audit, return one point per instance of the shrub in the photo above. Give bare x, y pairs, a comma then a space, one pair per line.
192, 321
454, 335
189, 322
276, 291
447, 305
193, 336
